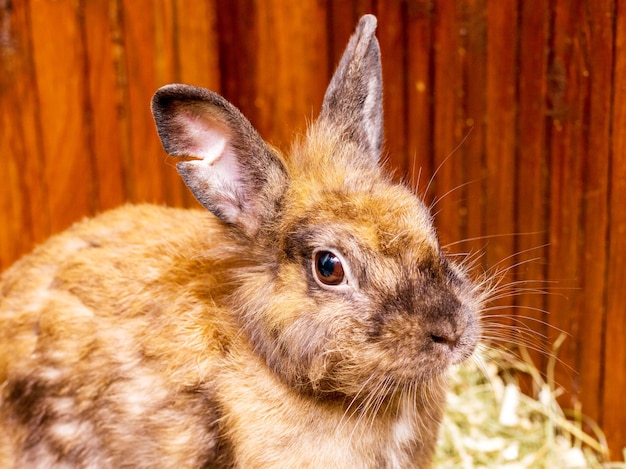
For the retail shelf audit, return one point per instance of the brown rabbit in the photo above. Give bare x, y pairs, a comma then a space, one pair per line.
307, 321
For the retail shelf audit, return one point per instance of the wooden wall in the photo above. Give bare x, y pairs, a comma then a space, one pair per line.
519, 107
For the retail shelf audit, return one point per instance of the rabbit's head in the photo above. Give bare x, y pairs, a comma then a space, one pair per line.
344, 288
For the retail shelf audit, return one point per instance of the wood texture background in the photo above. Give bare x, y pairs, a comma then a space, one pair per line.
519, 107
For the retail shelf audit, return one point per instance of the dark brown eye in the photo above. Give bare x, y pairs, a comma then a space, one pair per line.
328, 268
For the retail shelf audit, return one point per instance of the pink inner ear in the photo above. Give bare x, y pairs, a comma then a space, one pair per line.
208, 139
202, 138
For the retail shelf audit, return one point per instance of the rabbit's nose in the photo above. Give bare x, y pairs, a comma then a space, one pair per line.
449, 339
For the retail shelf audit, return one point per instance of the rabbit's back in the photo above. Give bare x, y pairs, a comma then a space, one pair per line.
100, 326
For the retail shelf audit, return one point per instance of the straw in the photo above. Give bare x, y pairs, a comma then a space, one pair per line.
490, 423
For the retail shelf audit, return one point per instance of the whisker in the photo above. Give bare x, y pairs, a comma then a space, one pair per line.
541, 350
487, 237
496, 267
513, 336
523, 292
550, 354
419, 178
445, 160
505, 330
349, 409
436, 201
521, 319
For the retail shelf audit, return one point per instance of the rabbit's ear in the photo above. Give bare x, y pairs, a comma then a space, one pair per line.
353, 100
228, 166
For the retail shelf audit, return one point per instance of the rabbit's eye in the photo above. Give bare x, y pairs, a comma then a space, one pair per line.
328, 268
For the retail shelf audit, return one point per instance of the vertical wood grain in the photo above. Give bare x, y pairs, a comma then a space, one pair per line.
566, 169
419, 84
500, 137
531, 179
238, 44
291, 66
614, 377
476, 63
449, 127
104, 137
341, 18
25, 217
59, 60
367, 6
500, 111
394, 79
149, 64
596, 37
197, 43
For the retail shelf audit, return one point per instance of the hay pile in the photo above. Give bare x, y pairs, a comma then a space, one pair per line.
490, 423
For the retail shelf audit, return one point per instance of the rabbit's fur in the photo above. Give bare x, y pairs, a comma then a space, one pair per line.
154, 337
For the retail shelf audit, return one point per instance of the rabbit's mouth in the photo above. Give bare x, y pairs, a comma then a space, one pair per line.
433, 357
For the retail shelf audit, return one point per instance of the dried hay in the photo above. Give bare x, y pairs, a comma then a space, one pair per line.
490, 423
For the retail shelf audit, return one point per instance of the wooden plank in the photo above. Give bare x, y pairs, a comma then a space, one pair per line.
500, 144
596, 38
392, 39
197, 44
292, 66
25, 218
341, 19
475, 65
367, 6
145, 70
459, 110
269, 75
614, 360
420, 96
236, 30
532, 178
498, 219
104, 103
15, 237
449, 127
59, 60
567, 98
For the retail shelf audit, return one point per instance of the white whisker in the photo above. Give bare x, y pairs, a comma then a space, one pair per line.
445, 160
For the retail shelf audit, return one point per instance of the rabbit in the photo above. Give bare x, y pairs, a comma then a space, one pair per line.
304, 318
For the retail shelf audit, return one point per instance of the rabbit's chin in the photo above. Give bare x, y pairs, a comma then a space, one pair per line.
383, 388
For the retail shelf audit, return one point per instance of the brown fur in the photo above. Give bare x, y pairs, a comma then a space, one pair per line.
156, 337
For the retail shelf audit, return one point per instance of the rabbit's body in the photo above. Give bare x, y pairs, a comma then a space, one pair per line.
308, 324
101, 358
